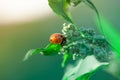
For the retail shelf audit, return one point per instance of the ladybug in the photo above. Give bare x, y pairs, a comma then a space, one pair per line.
58, 38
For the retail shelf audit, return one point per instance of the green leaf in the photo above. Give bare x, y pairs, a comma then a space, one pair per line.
65, 58
111, 34
50, 49
86, 76
76, 2
84, 69
91, 5
61, 7
32, 52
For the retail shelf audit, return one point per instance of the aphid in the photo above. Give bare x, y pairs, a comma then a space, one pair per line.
58, 38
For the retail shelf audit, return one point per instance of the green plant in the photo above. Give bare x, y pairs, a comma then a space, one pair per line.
82, 44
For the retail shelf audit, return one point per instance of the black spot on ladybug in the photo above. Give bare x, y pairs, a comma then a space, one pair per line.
61, 36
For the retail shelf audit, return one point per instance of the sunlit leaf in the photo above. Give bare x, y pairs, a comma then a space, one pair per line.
61, 7
84, 69
50, 49
111, 34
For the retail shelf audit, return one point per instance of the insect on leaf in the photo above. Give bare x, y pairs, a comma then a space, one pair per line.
61, 7
50, 49
111, 34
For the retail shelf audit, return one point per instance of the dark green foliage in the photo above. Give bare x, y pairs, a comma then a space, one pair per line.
92, 44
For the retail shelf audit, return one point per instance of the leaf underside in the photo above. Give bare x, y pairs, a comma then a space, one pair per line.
84, 69
61, 8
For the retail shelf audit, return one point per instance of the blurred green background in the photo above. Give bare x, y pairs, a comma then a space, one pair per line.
17, 39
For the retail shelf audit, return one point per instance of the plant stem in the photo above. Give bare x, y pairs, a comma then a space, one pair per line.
92, 6
76, 27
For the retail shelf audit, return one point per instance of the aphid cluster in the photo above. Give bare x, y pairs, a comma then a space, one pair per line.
80, 47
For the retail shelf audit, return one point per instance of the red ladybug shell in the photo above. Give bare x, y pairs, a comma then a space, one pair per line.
56, 38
